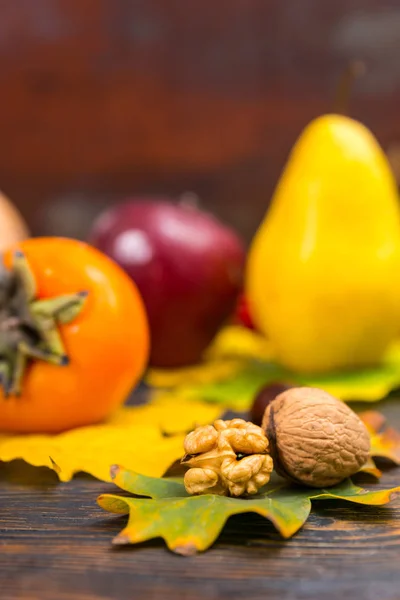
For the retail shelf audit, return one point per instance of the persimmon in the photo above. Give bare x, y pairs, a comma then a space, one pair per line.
74, 337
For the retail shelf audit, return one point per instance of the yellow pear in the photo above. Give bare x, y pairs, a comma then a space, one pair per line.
323, 274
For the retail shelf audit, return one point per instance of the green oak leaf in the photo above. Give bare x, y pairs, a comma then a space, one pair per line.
191, 524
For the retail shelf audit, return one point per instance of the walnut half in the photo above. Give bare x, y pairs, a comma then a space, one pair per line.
228, 458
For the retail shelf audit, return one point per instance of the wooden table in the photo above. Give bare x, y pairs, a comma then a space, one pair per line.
56, 545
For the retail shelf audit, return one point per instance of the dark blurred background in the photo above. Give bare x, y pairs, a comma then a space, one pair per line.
106, 98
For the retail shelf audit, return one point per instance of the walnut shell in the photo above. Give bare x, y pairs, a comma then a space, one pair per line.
315, 439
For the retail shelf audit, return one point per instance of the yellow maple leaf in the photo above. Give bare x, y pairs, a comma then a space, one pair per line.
222, 360
147, 438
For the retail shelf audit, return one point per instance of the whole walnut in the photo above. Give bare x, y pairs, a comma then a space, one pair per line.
314, 438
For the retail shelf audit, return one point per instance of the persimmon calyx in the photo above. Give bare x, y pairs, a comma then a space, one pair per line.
29, 326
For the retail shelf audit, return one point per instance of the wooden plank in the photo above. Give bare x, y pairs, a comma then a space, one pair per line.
56, 543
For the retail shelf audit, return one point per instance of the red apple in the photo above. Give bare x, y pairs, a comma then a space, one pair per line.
188, 267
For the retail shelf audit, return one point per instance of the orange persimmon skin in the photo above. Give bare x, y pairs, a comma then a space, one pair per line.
108, 343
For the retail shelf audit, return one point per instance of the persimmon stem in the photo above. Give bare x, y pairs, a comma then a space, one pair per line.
29, 325
354, 70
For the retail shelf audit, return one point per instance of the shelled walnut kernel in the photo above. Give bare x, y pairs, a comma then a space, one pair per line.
228, 458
